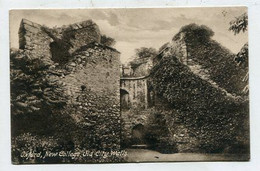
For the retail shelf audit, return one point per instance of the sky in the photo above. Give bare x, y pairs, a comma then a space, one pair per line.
133, 28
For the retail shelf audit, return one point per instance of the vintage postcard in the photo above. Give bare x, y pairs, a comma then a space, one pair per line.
129, 85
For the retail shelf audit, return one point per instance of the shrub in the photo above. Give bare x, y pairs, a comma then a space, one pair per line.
194, 31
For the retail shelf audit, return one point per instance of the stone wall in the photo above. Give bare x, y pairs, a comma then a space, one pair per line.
136, 87
90, 77
134, 90
96, 67
34, 41
93, 87
144, 109
125, 71
143, 69
177, 47
80, 34
130, 119
37, 39
197, 111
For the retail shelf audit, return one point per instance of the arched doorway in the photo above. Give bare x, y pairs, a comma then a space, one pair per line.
138, 134
124, 100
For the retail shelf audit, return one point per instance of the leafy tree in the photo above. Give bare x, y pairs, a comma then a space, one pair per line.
242, 56
141, 56
145, 52
239, 24
236, 26
107, 41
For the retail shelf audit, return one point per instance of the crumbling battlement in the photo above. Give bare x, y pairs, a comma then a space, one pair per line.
177, 47
41, 41
80, 34
35, 42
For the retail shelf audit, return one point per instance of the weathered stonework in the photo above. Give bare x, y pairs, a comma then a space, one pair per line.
138, 97
35, 42
90, 76
130, 120
141, 67
178, 48
80, 34
134, 102
96, 67
136, 88
178, 134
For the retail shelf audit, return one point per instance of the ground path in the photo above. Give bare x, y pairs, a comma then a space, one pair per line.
145, 155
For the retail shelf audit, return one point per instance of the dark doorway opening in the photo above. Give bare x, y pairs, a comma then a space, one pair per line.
138, 135
59, 53
124, 100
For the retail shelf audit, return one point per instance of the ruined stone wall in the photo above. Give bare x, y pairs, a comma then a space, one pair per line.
96, 67
195, 123
35, 42
125, 71
36, 39
141, 67
90, 78
137, 113
137, 89
178, 134
179, 49
141, 70
80, 34
93, 86
130, 119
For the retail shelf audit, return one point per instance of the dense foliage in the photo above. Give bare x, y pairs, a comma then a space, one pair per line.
41, 107
142, 55
239, 24
242, 56
145, 52
207, 112
107, 41
201, 33
220, 64
51, 112
32, 86
157, 135
40, 102
38, 97
213, 57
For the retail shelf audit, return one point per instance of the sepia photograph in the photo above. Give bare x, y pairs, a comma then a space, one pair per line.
127, 85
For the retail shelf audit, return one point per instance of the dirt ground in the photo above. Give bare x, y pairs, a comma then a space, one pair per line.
145, 155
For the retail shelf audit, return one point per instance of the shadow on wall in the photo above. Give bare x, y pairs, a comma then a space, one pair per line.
58, 53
